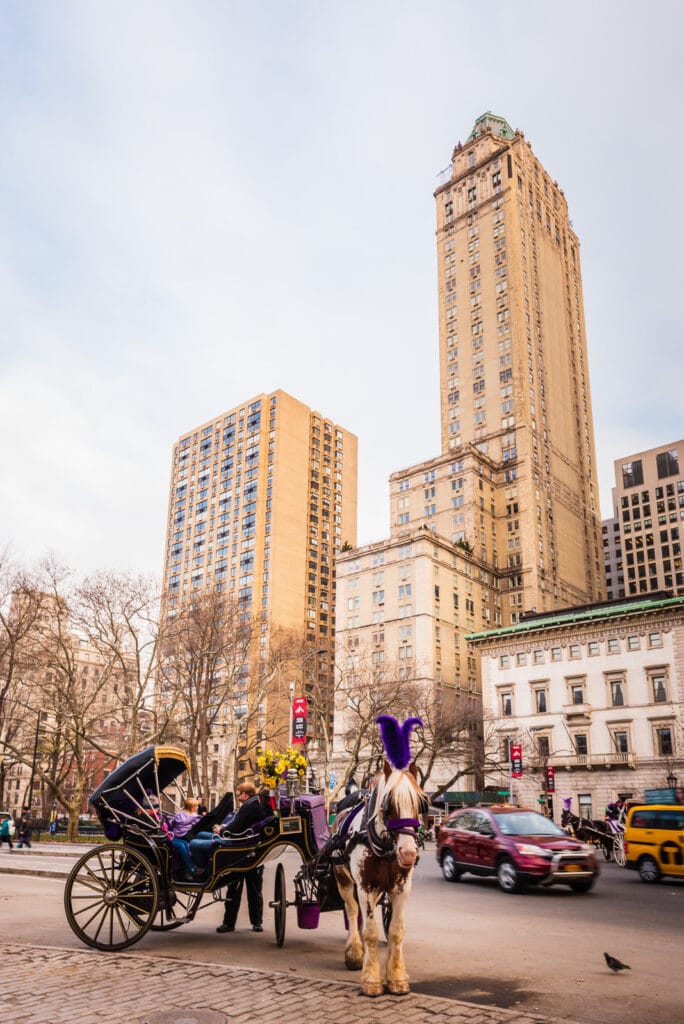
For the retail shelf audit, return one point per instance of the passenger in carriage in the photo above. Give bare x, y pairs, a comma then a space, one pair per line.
178, 827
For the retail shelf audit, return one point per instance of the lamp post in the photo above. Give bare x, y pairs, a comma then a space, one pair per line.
300, 672
672, 780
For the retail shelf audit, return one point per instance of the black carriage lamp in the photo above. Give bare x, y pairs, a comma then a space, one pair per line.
672, 780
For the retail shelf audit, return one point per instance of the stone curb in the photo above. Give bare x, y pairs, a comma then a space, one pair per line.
54, 985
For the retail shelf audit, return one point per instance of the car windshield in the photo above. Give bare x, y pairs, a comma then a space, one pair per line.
527, 823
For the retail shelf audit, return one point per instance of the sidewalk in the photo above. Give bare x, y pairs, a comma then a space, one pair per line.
48, 985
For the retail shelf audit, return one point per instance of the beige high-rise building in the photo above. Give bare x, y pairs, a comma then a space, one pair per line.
261, 500
648, 502
514, 375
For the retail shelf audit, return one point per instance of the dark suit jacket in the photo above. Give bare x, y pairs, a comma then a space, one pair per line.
251, 812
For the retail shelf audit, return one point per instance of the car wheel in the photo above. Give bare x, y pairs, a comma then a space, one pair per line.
584, 885
508, 877
449, 869
648, 870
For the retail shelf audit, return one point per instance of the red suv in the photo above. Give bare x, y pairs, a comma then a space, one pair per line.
517, 845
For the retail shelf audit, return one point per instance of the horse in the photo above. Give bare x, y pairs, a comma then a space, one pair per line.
590, 830
380, 844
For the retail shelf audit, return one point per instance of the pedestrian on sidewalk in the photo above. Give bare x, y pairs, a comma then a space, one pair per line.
24, 829
6, 833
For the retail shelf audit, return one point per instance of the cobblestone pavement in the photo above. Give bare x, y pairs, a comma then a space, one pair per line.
48, 985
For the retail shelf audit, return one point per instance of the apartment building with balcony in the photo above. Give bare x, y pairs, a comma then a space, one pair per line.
595, 692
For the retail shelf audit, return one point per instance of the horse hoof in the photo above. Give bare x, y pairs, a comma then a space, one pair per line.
372, 990
353, 963
398, 988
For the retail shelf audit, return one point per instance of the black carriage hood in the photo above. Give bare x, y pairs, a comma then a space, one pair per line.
153, 769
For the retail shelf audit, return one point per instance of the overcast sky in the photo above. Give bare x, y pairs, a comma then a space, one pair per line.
201, 202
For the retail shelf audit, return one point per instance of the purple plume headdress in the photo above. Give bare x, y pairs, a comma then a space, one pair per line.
396, 739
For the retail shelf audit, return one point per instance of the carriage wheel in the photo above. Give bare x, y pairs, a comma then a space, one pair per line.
177, 908
110, 897
619, 851
386, 910
279, 904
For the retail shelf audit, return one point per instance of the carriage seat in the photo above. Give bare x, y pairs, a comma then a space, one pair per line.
311, 806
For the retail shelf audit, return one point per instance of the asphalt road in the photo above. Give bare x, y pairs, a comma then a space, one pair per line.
540, 951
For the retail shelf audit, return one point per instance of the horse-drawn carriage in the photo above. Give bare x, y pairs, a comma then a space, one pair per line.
608, 834
119, 891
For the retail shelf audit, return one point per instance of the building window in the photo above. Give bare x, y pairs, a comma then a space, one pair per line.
504, 661
617, 693
577, 693
632, 473
655, 640
521, 659
659, 688
664, 740
574, 650
581, 744
667, 463
633, 643
541, 701
621, 741
613, 646
592, 648
543, 746
584, 805
506, 704
539, 657
556, 654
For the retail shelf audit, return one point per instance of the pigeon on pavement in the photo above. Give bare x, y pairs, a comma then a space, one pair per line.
615, 965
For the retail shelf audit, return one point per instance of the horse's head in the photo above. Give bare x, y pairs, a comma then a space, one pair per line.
399, 802
565, 816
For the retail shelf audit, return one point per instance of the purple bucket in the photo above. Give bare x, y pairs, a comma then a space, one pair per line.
346, 919
308, 915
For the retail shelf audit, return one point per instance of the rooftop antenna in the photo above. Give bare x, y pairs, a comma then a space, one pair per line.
443, 173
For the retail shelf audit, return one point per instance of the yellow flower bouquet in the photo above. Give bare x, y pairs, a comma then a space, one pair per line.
273, 766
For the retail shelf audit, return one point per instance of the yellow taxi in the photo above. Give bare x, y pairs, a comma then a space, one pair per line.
654, 840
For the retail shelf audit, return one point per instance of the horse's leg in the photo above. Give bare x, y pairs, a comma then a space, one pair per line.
397, 978
371, 979
353, 951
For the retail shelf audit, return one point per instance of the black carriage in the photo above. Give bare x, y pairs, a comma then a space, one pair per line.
119, 891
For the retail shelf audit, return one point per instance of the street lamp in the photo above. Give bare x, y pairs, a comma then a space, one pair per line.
300, 671
672, 780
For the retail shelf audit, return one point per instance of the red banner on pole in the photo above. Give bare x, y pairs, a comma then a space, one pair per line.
299, 710
516, 761
550, 779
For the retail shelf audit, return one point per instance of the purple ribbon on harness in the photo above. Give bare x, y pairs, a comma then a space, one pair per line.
394, 824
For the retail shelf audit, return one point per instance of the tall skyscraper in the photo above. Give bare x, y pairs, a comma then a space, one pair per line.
261, 500
514, 376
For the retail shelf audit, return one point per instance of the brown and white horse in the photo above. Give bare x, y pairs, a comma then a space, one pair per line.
380, 853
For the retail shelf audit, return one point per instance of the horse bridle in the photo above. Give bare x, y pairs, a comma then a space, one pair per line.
383, 844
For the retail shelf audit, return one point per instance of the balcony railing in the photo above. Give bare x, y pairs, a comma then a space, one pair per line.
606, 760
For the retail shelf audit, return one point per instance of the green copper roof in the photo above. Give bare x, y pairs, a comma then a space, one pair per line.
555, 620
497, 124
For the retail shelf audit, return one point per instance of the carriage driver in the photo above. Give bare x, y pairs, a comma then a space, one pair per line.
251, 810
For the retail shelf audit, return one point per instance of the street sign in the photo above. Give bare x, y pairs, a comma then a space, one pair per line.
332, 780
299, 719
516, 761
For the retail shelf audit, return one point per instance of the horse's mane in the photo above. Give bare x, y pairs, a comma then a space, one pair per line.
403, 791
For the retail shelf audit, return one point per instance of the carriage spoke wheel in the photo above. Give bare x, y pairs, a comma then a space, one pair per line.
619, 851
110, 897
279, 904
176, 908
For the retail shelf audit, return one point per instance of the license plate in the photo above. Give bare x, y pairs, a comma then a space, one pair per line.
571, 867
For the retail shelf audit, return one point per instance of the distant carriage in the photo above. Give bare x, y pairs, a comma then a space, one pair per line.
608, 834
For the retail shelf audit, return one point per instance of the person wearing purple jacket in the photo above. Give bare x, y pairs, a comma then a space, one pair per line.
178, 828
